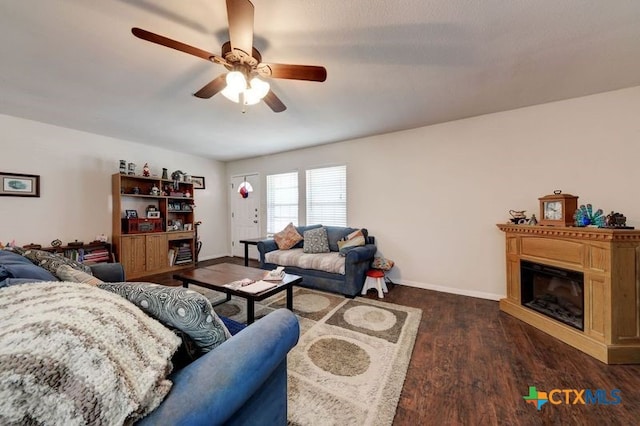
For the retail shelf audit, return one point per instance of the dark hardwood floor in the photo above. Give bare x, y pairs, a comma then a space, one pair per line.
472, 365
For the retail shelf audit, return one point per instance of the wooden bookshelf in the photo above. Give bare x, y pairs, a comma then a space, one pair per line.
94, 252
143, 247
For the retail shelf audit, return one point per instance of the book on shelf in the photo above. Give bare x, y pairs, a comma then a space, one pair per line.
180, 255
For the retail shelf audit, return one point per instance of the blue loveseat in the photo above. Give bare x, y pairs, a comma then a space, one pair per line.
357, 262
241, 381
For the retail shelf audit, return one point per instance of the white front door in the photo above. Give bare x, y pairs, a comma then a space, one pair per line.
245, 215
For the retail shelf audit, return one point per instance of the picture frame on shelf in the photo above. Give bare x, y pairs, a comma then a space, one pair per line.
188, 227
153, 214
19, 185
198, 182
131, 214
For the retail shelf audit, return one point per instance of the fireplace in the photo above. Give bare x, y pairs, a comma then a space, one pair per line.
593, 274
555, 292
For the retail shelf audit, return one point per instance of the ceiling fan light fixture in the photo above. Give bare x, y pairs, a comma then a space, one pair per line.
261, 87
258, 89
236, 81
231, 94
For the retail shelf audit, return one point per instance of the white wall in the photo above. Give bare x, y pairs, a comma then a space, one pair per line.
75, 169
433, 195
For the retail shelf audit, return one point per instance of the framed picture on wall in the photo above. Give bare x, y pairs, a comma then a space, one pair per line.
198, 182
19, 185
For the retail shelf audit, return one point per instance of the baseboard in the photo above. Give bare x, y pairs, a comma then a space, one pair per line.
452, 290
211, 257
442, 289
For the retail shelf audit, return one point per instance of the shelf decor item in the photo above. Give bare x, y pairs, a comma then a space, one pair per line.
558, 209
616, 220
585, 216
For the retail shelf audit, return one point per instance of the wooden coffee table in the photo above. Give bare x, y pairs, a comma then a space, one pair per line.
216, 276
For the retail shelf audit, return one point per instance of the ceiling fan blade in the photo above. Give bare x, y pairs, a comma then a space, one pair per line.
240, 14
173, 44
274, 102
294, 72
213, 87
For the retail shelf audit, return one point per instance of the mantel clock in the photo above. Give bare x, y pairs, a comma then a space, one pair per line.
557, 209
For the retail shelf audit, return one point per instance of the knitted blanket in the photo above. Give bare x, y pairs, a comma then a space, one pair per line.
73, 354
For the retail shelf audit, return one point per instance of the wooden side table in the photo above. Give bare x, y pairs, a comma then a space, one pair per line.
247, 242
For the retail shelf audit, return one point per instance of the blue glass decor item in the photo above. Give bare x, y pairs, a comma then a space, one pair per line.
585, 216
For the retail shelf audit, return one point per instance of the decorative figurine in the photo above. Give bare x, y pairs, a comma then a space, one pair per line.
123, 167
616, 220
517, 216
533, 220
154, 191
145, 170
177, 177
585, 216
131, 167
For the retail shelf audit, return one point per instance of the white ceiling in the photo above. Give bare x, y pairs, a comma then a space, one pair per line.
391, 65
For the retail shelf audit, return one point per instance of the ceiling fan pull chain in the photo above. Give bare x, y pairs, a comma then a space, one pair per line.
244, 107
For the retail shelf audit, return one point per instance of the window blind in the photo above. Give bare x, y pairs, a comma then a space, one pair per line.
282, 201
327, 196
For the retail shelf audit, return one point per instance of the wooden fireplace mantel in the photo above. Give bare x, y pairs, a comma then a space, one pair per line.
610, 262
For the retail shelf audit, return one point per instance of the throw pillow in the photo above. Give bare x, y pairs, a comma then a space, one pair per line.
316, 241
67, 273
52, 261
354, 239
177, 307
288, 237
382, 263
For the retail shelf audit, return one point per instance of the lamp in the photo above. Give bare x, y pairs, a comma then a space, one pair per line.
239, 91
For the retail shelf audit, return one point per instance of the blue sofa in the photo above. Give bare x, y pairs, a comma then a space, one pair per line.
16, 269
357, 262
242, 381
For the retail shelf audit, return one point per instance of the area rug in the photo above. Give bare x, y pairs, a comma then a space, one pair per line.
350, 363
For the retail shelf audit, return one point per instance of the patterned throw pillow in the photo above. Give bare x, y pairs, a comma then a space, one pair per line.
288, 237
354, 239
316, 241
67, 273
177, 307
52, 261
382, 263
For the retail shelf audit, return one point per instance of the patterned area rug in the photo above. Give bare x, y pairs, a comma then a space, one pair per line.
350, 363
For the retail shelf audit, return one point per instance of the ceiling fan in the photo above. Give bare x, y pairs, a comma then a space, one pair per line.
244, 82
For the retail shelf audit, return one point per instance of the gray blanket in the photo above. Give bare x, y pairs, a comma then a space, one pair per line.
73, 354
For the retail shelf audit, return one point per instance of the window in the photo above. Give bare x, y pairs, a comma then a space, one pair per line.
282, 201
327, 196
